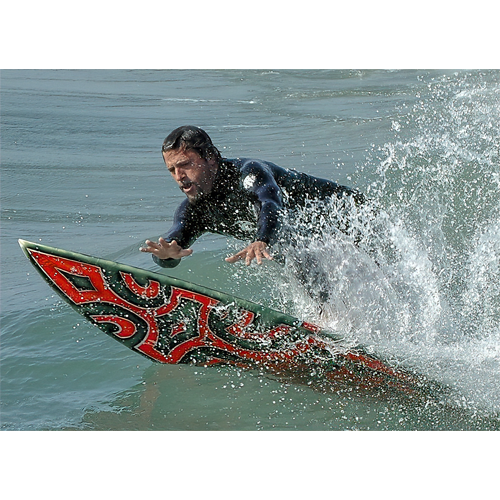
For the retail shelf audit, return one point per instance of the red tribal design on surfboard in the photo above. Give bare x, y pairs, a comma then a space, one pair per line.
170, 324
100, 291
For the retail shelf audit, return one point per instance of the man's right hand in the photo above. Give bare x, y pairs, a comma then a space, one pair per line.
165, 250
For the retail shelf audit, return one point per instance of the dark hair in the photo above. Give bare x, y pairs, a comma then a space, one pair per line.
191, 138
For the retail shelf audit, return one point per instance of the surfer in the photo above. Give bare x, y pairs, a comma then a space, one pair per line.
247, 199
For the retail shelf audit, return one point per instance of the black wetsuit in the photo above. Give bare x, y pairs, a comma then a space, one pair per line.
247, 202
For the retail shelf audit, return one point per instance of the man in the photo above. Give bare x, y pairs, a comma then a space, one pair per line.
244, 198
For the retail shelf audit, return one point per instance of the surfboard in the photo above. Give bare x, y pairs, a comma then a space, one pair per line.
169, 320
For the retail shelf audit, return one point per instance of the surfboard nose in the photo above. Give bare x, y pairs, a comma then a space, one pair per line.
24, 244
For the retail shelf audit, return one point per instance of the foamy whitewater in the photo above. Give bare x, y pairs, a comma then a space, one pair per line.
422, 289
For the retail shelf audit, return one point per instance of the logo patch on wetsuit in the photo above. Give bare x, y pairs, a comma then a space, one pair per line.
249, 181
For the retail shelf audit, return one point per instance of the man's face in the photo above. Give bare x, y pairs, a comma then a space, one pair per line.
194, 175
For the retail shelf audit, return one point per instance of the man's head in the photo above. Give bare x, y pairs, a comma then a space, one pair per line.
191, 138
192, 160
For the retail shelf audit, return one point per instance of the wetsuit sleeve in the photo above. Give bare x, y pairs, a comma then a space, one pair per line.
182, 231
258, 179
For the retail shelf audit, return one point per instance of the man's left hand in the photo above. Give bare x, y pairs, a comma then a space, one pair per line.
256, 250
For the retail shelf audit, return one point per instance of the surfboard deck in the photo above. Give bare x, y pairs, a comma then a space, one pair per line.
169, 320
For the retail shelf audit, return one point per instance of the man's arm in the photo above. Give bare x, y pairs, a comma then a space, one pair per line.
173, 245
259, 180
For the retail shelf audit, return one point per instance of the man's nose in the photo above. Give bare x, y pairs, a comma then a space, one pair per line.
179, 174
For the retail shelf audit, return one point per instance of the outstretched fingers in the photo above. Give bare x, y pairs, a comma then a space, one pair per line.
150, 247
236, 257
256, 250
262, 254
165, 250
